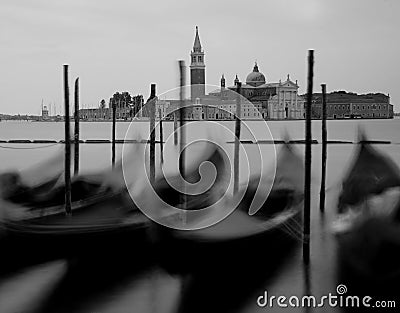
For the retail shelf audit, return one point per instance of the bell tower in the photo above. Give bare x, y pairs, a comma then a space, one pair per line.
197, 69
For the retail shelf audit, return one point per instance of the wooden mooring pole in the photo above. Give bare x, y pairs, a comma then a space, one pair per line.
76, 131
307, 176
175, 130
182, 117
114, 111
67, 159
152, 111
161, 138
324, 151
182, 82
237, 139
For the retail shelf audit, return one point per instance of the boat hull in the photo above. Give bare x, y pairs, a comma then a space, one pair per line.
369, 258
106, 228
185, 251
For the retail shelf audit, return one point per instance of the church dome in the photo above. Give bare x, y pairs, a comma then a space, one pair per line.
255, 78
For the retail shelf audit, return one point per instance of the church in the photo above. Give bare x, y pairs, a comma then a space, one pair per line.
266, 100
277, 100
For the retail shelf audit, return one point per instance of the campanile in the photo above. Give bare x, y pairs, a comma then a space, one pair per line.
197, 69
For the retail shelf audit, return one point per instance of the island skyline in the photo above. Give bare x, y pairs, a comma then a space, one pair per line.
109, 49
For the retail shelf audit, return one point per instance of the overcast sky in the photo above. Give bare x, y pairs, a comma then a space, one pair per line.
124, 45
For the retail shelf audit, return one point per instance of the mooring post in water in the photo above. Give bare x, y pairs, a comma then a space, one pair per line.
67, 160
161, 138
175, 130
324, 151
307, 284
76, 131
182, 82
307, 176
152, 111
114, 112
237, 139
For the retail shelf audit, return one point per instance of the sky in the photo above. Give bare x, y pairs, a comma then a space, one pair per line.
125, 45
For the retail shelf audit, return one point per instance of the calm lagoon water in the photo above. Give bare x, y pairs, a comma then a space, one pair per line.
157, 291
94, 156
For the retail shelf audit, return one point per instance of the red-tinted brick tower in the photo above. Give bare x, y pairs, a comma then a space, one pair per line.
197, 69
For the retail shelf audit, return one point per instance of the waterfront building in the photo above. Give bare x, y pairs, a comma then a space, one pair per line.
273, 100
98, 114
262, 100
342, 104
125, 110
208, 108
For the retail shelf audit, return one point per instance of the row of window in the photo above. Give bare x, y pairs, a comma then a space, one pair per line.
223, 115
289, 94
359, 107
199, 58
254, 114
287, 105
362, 115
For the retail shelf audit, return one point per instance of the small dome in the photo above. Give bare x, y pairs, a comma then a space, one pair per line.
255, 78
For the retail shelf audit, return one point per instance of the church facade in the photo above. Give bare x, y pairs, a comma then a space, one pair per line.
274, 100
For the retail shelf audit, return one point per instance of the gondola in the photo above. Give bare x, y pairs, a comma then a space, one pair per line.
368, 224
228, 262
34, 226
271, 230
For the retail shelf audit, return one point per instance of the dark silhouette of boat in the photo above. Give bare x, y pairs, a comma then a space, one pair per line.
368, 227
107, 231
278, 217
35, 228
105, 222
234, 257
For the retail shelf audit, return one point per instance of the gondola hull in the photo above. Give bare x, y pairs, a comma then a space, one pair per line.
369, 259
106, 228
190, 251
368, 225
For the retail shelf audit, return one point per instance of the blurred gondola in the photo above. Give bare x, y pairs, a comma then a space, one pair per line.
227, 262
368, 226
34, 227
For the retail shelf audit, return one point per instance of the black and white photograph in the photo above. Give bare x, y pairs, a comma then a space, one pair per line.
199, 156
